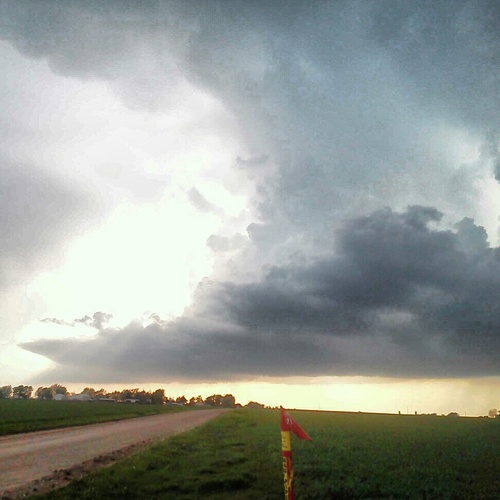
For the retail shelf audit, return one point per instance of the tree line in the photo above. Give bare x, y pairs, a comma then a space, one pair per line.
20, 391
125, 395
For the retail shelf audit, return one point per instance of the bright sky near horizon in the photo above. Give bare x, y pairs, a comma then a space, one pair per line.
297, 203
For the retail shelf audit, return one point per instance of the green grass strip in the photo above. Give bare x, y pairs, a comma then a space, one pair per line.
31, 415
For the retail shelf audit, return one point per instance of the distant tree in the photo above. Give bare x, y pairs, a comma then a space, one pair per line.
44, 393
492, 413
197, 400
181, 400
213, 400
228, 401
90, 391
158, 397
216, 400
145, 397
5, 391
22, 391
453, 414
59, 389
125, 394
254, 404
129, 394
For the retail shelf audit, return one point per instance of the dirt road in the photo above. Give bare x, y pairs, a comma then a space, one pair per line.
28, 457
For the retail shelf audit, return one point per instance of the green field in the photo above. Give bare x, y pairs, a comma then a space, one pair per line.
32, 415
237, 456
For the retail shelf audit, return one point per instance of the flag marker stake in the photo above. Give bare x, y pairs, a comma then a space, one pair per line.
288, 424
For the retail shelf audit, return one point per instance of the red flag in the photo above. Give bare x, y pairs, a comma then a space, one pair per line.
289, 424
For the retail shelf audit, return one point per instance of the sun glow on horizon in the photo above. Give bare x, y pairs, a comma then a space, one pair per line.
471, 397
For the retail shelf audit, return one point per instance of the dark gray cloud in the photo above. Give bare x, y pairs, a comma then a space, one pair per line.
436, 38
398, 298
188, 349
387, 264
344, 107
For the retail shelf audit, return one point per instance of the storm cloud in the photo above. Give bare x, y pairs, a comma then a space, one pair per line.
369, 165
347, 99
398, 298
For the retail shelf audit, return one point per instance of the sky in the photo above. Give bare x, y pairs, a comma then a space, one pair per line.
294, 202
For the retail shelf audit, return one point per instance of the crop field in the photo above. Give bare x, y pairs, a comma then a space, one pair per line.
238, 456
32, 415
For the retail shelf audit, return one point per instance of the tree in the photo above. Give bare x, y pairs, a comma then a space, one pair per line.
158, 397
129, 394
44, 393
59, 389
89, 391
254, 404
113, 395
197, 400
22, 391
181, 400
492, 413
5, 391
144, 397
212, 400
228, 401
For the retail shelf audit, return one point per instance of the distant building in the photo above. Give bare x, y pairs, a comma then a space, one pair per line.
79, 397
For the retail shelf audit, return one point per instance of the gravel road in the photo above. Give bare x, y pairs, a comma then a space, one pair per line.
25, 458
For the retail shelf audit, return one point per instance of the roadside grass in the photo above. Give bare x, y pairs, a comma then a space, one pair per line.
31, 415
238, 456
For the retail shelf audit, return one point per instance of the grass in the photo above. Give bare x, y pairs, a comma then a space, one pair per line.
238, 456
31, 415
